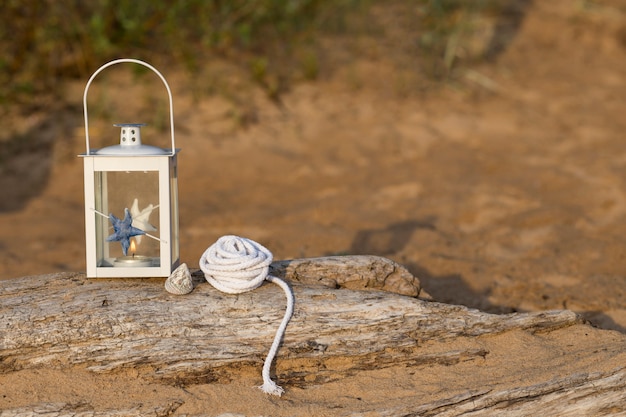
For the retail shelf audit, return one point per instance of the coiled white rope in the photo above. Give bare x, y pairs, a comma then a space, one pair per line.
235, 265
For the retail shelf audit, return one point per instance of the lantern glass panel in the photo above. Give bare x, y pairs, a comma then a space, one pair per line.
174, 210
116, 192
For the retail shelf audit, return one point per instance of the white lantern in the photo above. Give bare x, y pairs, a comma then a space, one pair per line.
131, 201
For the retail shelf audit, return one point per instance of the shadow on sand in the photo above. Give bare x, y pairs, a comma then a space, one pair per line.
450, 289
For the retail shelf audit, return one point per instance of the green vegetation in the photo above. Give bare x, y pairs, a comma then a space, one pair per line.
44, 41
460, 29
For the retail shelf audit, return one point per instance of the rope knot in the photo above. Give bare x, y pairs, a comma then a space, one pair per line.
234, 265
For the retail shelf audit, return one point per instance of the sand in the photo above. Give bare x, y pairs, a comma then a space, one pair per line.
504, 192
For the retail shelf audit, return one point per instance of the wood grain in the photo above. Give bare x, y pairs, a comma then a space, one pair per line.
63, 320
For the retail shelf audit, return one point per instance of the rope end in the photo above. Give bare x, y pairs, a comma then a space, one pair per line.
270, 387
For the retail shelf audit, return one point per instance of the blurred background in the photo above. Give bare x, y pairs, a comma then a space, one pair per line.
479, 143
275, 43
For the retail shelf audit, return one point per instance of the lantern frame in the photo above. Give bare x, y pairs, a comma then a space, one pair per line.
134, 160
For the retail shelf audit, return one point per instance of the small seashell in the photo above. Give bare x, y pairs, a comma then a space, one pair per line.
180, 282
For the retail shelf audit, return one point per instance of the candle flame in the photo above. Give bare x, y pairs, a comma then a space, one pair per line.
133, 247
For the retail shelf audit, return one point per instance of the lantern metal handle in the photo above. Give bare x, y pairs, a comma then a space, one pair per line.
136, 61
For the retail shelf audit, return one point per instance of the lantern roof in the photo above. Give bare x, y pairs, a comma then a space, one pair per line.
130, 143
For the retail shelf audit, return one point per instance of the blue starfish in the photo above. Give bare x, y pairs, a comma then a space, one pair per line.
123, 230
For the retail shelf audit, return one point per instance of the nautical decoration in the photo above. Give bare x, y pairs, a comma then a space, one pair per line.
119, 177
180, 282
123, 230
235, 265
141, 218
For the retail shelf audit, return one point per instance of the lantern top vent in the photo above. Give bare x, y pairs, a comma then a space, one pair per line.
130, 142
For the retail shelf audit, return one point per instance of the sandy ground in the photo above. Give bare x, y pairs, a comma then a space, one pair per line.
504, 192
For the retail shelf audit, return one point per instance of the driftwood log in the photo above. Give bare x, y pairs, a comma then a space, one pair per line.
64, 320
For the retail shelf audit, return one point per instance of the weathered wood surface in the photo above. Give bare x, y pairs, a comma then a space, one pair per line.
84, 410
61, 320
351, 272
598, 394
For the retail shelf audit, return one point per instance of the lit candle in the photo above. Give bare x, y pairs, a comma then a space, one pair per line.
133, 260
